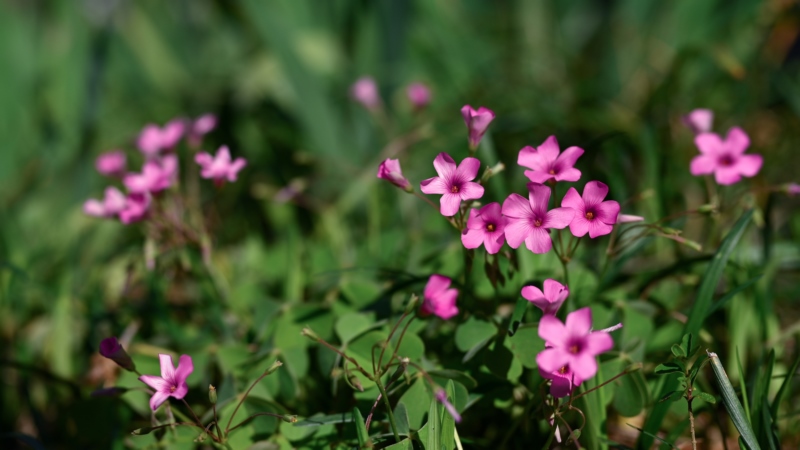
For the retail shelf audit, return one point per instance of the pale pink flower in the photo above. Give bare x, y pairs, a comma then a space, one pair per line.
441, 397
793, 189
111, 163
365, 91
419, 95
628, 218
530, 221
547, 164
153, 139
550, 300
593, 215
137, 204
725, 159
454, 183
485, 227
172, 382
438, 298
200, 127
699, 120
113, 203
220, 168
572, 349
155, 176
477, 122
390, 171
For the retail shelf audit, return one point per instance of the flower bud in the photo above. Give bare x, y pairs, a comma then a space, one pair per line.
142, 431
356, 383
492, 171
477, 122
289, 418
309, 333
699, 121
111, 164
365, 91
706, 209
419, 95
212, 394
274, 367
390, 171
111, 349
792, 189
412, 304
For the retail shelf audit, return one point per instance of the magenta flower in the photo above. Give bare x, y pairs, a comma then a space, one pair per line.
793, 189
572, 348
529, 220
111, 164
438, 298
365, 91
419, 95
441, 397
725, 159
550, 300
699, 120
592, 215
172, 382
477, 122
110, 348
200, 127
155, 177
113, 203
152, 139
220, 168
455, 183
390, 171
547, 164
485, 226
137, 205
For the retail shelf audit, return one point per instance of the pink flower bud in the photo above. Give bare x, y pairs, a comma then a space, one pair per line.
111, 349
793, 189
628, 218
390, 171
111, 163
419, 95
699, 120
200, 127
365, 91
477, 122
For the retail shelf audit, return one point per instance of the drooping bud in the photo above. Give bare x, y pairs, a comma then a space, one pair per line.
477, 122
356, 383
390, 171
212, 394
289, 418
273, 367
492, 171
309, 333
412, 304
142, 431
111, 349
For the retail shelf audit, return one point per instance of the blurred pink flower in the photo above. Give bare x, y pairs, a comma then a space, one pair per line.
485, 227
454, 183
593, 215
172, 382
547, 164
438, 298
111, 163
419, 95
137, 204
441, 397
220, 167
200, 127
113, 203
155, 177
365, 91
390, 171
529, 220
477, 122
793, 189
699, 120
627, 218
153, 139
571, 350
551, 299
110, 348
725, 159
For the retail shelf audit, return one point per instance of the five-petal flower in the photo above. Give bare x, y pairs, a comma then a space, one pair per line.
546, 163
153, 139
172, 382
220, 168
438, 298
725, 158
593, 215
485, 227
454, 183
529, 220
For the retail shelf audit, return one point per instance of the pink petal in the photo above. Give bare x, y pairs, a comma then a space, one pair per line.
598, 342
709, 143
517, 206
593, 193
180, 391
517, 230
204, 159
468, 169
235, 167
157, 399
449, 204
539, 196
607, 212
554, 291
567, 159
436, 285
559, 218
444, 165
579, 322
571, 174
471, 191
185, 368
529, 157
467, 112
561, 387
573, 200
628, 218
727, 175
551, 359
445, 304
493, 242
749, 165
703, 164
699, 120
157, 383
481, 119
737, 141
472, 238
579, 226
532, 294
599, 228
549, 149
94, 208
167, 368
538, 241
538, 176
475, 219
435, 185
584, 366
492, 213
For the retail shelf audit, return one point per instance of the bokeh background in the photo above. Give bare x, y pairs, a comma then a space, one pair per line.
308, 225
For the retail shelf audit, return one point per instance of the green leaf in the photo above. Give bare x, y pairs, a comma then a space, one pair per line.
743, 387
325, 420
666, 368
351, 325
653, 436
761, 396
631, 394
784, 386
415, 398
670, 395
516, 318
526, 344
732, 404
688, 345
448, 423
361, 428
401, 418
473, 332
678, 351
455, 375
434, 441
405, 444
725, 298
706, 397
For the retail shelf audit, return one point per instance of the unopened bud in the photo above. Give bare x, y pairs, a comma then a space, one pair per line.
492, 171
274, 367
400, 369
706, 209
694, 245
289, 418
142, 431
309, 333
668, 230
111, 349
412, 304
212, 394
356, 383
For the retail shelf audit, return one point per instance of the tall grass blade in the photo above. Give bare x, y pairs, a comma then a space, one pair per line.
732, 404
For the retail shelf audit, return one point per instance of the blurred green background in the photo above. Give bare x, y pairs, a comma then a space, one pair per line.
82, 77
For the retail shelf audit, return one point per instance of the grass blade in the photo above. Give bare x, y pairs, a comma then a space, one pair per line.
361, 429
743, 387
732, 404
721, 302
784, 387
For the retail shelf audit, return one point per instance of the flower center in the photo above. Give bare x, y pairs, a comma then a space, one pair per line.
490, 227
173, 388
537, 222
574, 349
563, 370
552, 172
725, 161
589, 215
454, 189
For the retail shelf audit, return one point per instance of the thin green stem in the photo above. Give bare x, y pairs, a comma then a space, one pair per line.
279, 416
393, 424
228, 426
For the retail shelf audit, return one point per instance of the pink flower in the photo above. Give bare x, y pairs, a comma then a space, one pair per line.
477, 123
485, 226
113, 202
200, 127
220, 168
793, 189
438, 298
137, 204
455, 184
110, 348
570, 356
530, 221
699, 120
111, 163
155, 177
627, 218
365, 91
725, 159
390, 171
441, 397
592, 215
547, 164
550, 300
172, 382
152, 139
419, 95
